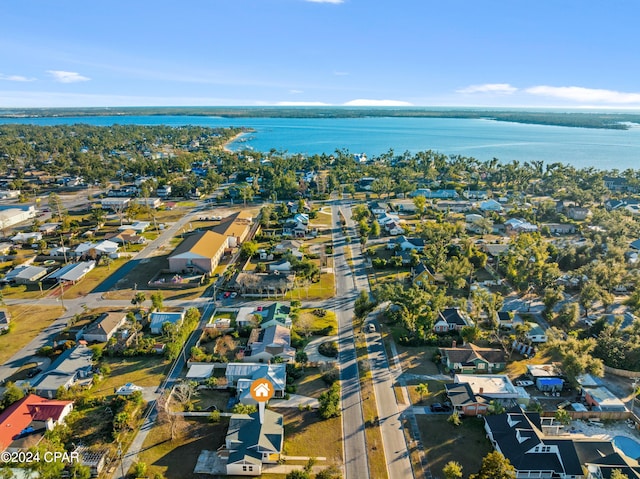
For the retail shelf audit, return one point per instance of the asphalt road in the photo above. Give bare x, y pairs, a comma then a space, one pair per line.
395, 447
354, 444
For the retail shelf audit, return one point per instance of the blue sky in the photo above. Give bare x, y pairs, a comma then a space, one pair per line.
490, 53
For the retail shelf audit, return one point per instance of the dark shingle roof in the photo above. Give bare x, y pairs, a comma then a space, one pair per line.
469, 352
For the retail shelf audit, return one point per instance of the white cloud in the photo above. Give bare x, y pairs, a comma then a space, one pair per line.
335, 2
18, 78
581, 94
51, 99
340, 74
301, 103
366, 102
67, 77
295, 92
499, 88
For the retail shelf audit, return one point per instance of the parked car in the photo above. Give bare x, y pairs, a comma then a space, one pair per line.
437, 407
233, 295
371, 328
563, 404
524, 383
227, 294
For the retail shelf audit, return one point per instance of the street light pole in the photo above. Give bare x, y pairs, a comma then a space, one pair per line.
121, 460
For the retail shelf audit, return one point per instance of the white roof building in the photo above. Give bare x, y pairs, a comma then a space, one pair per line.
25, 237
73, 272
107, 247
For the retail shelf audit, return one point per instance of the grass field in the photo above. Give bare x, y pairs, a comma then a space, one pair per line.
444, 442
27, 321
436, 393
176, 459
417, 360
311, 384
305, 434
327, 322
141, 370
324, 289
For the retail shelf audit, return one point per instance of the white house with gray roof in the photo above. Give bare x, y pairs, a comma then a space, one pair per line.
250, 444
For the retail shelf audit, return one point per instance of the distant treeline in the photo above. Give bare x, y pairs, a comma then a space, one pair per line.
616, 121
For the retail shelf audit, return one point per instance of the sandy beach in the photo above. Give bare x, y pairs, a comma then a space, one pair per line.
226, 148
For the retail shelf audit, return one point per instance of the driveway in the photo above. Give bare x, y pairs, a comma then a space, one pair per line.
311, 349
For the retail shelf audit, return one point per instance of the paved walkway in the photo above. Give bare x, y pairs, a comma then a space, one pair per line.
407, 410
295, 400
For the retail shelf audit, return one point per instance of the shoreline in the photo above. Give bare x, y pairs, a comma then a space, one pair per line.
225, 146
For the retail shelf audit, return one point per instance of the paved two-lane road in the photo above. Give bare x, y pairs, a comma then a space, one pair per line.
395, 447
355, 451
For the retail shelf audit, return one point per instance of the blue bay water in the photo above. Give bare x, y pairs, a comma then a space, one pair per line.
482, 139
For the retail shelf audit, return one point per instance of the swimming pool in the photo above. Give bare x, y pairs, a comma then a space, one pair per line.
629, 446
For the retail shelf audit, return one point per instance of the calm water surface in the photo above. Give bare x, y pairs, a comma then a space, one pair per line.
482, 139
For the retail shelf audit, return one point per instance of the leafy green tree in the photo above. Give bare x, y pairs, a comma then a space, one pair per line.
157, 299
240, 408
140, 469
496, 407
452, 470
563, 417
298, 474
469, 334
375, 229
78, 471
576, 354
618, 474
12, 393
138, 299
420, 202
330, 402
248, 249
590, 293
423, 390
6, 473
331, 472
495, 466
454, 418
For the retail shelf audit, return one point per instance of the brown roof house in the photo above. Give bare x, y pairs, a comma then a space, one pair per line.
199, 252
104, 327
473, 359
464, 401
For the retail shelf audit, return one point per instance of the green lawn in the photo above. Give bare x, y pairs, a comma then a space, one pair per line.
436, 393
443, 442
305, 434
311, 384
327, 322
324, 289
140, 370
27, 321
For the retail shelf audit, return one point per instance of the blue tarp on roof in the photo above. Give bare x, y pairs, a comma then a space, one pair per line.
550, 381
